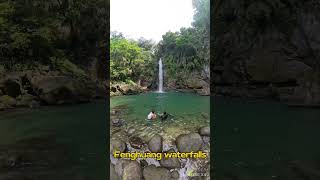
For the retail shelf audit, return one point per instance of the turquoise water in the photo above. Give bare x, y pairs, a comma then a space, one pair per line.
190, 112
172, 102
259, 139
81, 129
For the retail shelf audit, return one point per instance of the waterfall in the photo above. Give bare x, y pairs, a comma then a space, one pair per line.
160, 76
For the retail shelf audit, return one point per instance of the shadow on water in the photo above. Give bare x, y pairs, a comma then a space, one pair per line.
265, 140
65, 142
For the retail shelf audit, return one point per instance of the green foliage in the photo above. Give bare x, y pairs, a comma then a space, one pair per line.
183, 52
188, 50
66, 67
130, 82
128, 61
34, 31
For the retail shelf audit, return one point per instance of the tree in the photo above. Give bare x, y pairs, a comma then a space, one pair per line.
38, 30
188, 49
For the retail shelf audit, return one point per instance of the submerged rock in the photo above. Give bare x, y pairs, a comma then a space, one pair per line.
205, 115
155, 144
118, 122
204, 131
113, 112
189, 142
117, 145
130, 131
156, 173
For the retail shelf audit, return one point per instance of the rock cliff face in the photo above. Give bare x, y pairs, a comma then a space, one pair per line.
33, 88
195, 82
267, 48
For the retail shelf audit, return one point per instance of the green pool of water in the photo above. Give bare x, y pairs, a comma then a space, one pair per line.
190, 112
81, 129
259, 139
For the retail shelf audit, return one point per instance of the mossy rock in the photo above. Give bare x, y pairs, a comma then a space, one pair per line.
25, 100
7, 101
2, 70
67, 67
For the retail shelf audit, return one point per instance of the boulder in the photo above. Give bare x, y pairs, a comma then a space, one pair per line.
204, 131
196, 82
120, 165
113, 89
34, 104
155, 144
131, 130
113, 174
170, 163
136, 142
11, 85
156, 173
117, 145
175, 175
7, 101
128, 89
113, 112
132, 171
118, 122
62, 89
143, 163
25, 100
189, 142
205, 115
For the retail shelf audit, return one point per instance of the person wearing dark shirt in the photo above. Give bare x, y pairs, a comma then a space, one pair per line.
164, 116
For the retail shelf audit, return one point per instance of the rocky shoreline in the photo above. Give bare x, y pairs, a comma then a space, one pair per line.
120, 89
150, 168
126, 89
194, 83
32, 88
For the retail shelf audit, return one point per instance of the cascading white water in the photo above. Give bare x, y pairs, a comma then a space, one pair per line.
160, 88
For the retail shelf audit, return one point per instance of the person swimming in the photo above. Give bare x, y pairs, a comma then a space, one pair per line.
152, 115
164, 116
